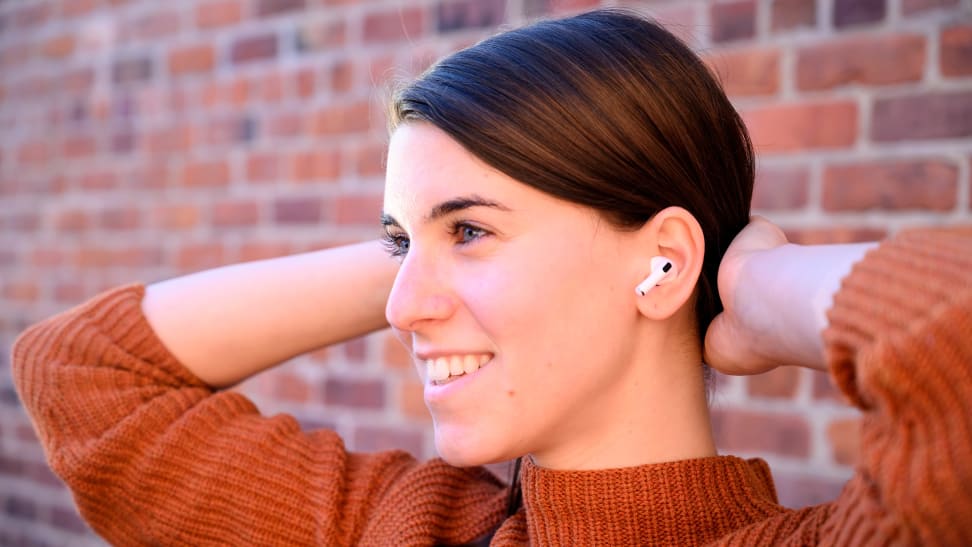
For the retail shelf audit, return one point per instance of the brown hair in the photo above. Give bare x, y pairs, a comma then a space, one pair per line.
605, 109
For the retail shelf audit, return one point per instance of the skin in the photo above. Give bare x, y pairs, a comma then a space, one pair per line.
584, 373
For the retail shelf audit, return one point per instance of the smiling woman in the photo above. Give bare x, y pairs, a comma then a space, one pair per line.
534, 181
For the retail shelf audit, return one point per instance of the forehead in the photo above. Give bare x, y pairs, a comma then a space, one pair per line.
426, 166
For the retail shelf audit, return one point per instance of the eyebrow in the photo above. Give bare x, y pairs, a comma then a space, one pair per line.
449, 206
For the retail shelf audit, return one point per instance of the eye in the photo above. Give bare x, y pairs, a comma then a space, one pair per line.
396, 244
467, 233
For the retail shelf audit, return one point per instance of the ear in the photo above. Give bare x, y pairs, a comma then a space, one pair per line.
675, 234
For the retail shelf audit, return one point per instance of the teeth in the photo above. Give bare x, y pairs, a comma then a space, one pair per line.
441, 368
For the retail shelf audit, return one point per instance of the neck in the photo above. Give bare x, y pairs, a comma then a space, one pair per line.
656, 413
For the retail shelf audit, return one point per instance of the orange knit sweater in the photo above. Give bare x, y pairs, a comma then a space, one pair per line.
154, 456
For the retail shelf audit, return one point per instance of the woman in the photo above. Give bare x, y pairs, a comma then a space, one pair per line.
534, 180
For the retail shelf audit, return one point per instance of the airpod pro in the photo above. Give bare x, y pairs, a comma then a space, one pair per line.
661, 268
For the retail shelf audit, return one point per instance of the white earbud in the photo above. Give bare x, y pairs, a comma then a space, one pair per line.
661, 268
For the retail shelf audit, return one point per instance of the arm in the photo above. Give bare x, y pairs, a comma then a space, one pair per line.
898, 341
229, 323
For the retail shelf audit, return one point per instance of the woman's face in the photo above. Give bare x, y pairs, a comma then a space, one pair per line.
518, 307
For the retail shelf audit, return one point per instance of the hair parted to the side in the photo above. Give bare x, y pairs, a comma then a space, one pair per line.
605, 109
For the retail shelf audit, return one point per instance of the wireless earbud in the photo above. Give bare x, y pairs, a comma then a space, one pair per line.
661, 268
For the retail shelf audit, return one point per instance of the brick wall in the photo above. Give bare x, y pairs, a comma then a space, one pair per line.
140, 140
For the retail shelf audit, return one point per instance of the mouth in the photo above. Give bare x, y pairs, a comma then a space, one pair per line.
445, 369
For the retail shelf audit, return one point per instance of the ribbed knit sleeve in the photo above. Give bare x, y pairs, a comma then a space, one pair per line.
154, 456
900, 347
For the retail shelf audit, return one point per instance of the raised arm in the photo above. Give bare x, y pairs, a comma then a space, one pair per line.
229, 323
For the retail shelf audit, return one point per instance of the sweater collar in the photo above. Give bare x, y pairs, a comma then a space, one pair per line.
674, 503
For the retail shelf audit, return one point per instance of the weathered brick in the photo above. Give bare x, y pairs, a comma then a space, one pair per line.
369, 159
254, 48
58, 47
793, 14
781, 187
868, 60
912, 7
262, 166
341, 76
845, 440
151, 25
779, 383
192, 59
126, 71
462, 14
892, 185
290, 387
21, 291
394, 353
304, 82
297, 210
858, 12
78, 147
177, 139
394, 25
411, 397
218, 13
747, 72
120, 218
731, 21
833, 234
343, 119
191, 257
377, 438
802, 126
322, 35
747, 431
205, 173
69, 292
258, 250
354, 393
266, 8
956, 51
935, 115
235, 213
176, 216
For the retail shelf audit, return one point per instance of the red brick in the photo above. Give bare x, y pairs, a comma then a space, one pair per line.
151, 26
911, 7
680, 19
235, 213
262, 166
192, 59
956, 51
78, 81
67, 519
858, 12
72, 221
22, 291
170, 140
357, 209
369, 159
411, 400
793, 14
792, 127
735, 20
394, 353
58, 47
30, 15
291, 388
839, 234
779, 383
341, 77
745, 431
464, 14
377, 438
394, 25
868, 60
47, 257
254, 48
22, 222
120, 218
845, 440
265, 8
199, 256
255, 250
558, 7
748, 72
71, 8
218, 13
205, 173
321, 164
228, 131
70, 292
78, 147
343, 119
781, 187
176, 216
304, 83
892, 185
287, 124
97, 180
354, 393
355, 350
937, 115
297, 211
34, 154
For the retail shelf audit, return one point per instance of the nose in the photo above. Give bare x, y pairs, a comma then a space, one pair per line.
420, 295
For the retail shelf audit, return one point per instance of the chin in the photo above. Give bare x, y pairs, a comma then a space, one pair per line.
467, 448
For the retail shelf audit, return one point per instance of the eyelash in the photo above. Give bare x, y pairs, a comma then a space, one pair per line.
397, 244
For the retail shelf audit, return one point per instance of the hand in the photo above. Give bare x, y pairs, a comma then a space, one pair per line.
740, 340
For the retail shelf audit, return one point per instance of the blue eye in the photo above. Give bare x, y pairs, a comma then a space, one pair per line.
396, 244
467, 233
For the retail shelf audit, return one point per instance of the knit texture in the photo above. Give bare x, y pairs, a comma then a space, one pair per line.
154, 456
